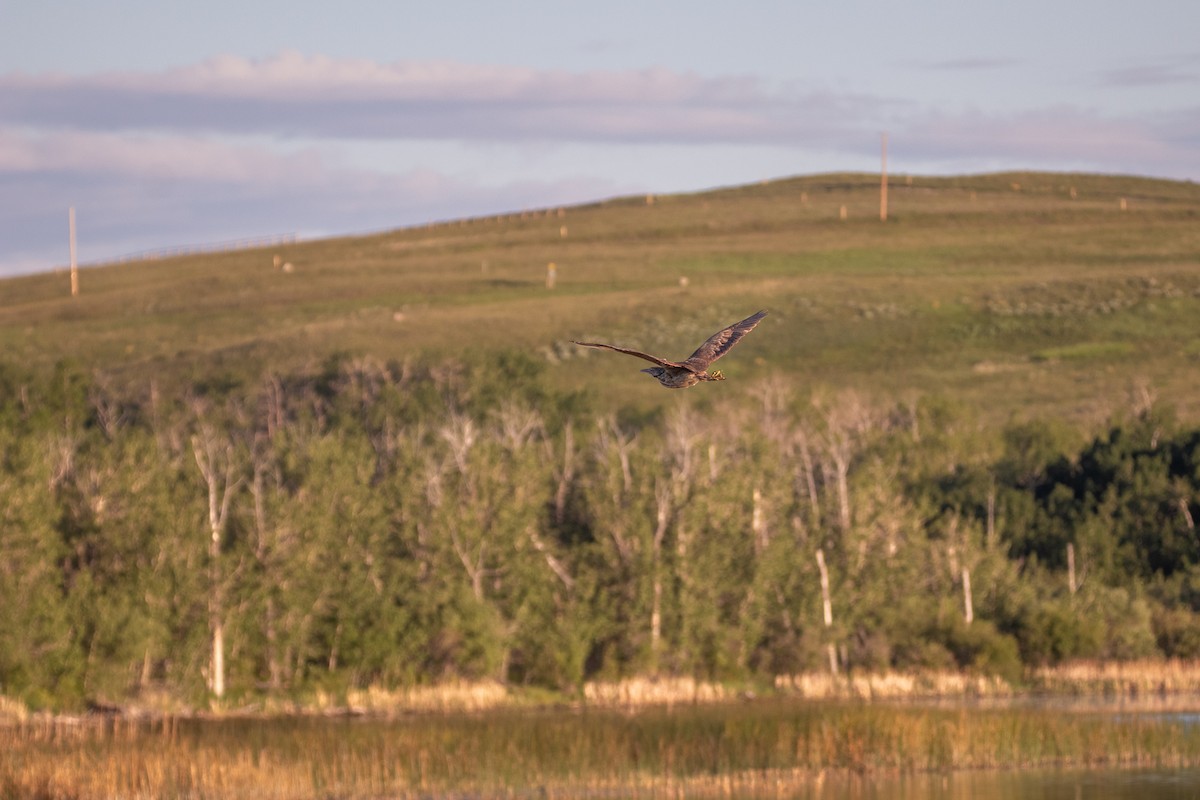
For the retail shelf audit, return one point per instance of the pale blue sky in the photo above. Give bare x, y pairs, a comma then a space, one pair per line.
170, 123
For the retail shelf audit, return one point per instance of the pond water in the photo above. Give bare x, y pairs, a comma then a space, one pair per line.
1134, 784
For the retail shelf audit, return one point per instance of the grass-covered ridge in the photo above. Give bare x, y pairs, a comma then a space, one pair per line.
1021, 293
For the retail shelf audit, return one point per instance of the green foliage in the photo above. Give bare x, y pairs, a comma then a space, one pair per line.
38, 657
1126, 501
425, 480
1177, 632
978, 647
405, 523
1055, 631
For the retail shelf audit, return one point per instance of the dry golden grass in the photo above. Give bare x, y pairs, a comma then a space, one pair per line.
1146, 681
12, 710
1148, 684
1126, 679
719, 749
445, 698
892, 685
458, 696
637, 692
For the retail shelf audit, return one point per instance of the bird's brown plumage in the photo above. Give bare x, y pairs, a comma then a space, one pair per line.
694, 369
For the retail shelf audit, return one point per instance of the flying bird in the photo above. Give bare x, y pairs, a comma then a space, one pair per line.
682, 374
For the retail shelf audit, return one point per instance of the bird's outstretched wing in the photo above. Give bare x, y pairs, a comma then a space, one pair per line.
720, 343
654, 359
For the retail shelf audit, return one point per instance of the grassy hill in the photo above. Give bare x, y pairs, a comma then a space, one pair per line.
1025, 294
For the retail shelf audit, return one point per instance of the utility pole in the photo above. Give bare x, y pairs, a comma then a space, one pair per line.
74, 267
883, 182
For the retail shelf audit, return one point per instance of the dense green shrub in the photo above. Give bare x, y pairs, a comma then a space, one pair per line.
394, 524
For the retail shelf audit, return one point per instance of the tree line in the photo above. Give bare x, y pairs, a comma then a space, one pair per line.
363, 523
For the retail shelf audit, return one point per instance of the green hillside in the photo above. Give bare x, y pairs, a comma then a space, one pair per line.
1021, 294
964, 439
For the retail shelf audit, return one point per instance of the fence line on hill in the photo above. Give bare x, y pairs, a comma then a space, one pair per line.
247, 243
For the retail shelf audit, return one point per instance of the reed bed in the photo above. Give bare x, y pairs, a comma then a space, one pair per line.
892, 685
747, 747
445, 697
639, 692
11, 709
1129, 679
1150, 684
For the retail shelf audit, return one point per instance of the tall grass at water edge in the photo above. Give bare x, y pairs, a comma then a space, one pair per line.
717, 748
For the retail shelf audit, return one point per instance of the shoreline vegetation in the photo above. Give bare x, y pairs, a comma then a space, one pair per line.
808, 735
1142, 685
959, 465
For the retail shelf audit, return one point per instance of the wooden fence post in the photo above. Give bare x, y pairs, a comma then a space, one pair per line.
883, 181
74, 266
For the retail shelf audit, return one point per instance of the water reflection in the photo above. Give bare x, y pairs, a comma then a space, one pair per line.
1183, 784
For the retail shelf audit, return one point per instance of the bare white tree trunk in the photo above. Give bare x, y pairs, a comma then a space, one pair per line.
841, 464
810, 479
219, 469
1187, 513
556, 566
827, 606
990, 535
461, 434
1071, 585
473, 563
263, 546
333, 648
968, 604
612, 439
218, 655
758, 523
846, 418
662, 500
565, 475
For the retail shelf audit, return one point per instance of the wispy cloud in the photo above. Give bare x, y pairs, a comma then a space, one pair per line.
319, 98
142, 191
142, 155
1165, 72
233, 147
1062, 137
295, 95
